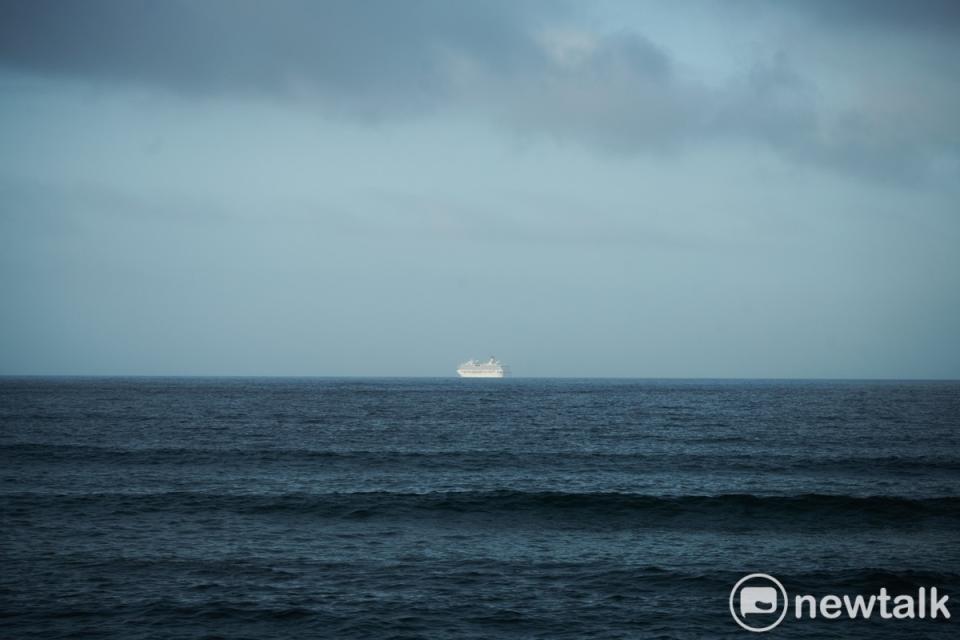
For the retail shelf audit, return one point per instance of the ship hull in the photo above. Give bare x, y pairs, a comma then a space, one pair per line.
480, 374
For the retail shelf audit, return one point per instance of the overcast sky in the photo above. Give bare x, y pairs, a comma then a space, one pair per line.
692, 189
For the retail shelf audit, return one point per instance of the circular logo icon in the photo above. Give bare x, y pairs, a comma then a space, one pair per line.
758, 602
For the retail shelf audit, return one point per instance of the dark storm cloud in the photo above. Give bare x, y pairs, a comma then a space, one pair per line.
509, 62
376, 55
925, 15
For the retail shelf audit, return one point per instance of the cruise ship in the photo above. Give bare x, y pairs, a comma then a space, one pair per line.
492, 368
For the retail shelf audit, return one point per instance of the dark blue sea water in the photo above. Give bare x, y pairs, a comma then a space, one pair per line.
420, 508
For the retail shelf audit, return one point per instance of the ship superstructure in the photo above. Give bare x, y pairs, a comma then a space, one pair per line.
492, 368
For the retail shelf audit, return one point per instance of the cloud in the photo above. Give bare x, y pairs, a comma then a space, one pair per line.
537, 68
924, 15
622, 93
359, 55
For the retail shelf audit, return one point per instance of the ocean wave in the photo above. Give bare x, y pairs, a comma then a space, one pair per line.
727, 511
706, 461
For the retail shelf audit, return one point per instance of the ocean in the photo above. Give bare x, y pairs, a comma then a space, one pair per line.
442, 508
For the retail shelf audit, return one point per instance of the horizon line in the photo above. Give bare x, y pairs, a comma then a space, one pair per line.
454, 377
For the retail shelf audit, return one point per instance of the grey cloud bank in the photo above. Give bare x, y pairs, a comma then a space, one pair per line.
373, 57
528, 64
352, 188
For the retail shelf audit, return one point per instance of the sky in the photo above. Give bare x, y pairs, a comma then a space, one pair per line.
338, 188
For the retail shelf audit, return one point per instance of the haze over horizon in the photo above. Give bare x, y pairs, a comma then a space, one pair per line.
627, 189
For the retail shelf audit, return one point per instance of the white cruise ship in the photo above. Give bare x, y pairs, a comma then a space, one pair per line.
492, 368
